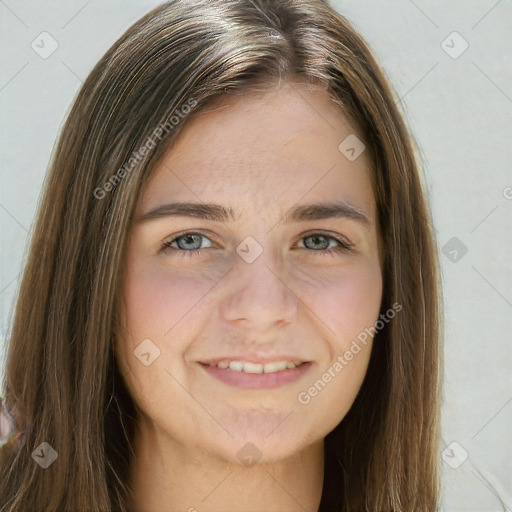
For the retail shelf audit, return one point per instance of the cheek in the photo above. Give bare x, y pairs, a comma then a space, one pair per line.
159, 305
157, 300
347, 302
360, 300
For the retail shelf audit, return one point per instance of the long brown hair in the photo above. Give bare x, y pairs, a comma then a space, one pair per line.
62, 381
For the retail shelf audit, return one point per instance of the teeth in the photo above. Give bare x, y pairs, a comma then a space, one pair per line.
236, 365
274, 367
246, 367
253, 368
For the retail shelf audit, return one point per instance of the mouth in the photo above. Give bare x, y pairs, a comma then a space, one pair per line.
251, 367
254, 374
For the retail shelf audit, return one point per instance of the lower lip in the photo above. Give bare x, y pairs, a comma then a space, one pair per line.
257, 380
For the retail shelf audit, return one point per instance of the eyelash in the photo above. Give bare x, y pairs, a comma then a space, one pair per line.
183, 253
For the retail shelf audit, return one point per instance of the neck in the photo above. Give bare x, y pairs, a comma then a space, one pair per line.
168, 476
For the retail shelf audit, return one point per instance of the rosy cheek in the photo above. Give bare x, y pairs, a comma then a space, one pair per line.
347, 304
158, 299
363, 294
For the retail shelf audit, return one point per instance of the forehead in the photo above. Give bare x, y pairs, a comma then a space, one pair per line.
264, 148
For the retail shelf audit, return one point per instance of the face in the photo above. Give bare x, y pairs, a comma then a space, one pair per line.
240, 319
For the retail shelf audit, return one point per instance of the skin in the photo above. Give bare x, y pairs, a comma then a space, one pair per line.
260, 154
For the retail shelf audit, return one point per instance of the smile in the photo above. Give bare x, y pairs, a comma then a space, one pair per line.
253, 375
247, 367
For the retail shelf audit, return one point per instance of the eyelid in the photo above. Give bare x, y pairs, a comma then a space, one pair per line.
329, 234
172, 238
302, 235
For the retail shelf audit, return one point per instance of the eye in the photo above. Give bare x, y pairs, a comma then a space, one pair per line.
186, 244
321, 242
189, 244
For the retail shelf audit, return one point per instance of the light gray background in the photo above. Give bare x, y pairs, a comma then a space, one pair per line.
460, 112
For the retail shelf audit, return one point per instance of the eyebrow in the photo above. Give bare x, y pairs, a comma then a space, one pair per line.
218, 213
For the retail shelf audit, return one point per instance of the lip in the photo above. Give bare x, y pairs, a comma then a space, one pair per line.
257, 380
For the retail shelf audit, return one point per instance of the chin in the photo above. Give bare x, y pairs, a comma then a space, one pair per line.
264, 435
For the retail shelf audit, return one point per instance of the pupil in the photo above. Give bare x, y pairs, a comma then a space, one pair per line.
316, 240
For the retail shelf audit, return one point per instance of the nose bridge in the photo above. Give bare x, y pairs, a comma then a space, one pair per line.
260, 293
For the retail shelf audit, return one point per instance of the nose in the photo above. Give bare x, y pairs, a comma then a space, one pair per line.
260, 297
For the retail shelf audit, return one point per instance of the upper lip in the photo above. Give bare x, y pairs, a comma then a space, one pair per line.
251, 358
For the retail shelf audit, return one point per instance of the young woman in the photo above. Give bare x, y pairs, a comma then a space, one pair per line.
231, 299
